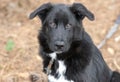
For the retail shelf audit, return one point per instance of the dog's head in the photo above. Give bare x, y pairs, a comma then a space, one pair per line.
62, 24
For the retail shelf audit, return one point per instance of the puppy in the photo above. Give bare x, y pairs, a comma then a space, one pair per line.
68, 52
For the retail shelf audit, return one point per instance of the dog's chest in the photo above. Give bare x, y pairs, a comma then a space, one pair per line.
60, 74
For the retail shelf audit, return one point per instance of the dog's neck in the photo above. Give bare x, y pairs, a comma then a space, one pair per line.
54, 56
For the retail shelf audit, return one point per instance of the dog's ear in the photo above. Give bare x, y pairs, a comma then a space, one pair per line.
42, 11
81, 11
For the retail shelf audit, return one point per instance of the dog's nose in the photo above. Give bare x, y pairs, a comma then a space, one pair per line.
59, 44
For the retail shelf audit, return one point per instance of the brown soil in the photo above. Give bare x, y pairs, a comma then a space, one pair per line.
23, 60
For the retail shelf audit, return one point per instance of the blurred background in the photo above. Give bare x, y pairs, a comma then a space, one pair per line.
19, 57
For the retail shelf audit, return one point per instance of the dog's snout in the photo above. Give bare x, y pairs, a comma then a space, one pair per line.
59, 44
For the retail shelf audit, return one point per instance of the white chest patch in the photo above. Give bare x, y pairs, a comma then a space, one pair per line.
61, 73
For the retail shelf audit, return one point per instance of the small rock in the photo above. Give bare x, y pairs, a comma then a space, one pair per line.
111, 50
34, 78
12, 5
117, 39
19, 24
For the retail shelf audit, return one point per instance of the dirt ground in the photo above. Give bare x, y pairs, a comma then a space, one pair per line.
22, 59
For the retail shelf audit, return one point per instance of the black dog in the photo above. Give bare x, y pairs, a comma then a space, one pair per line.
69, 54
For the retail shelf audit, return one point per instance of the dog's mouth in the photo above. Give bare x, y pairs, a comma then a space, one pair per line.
58, 52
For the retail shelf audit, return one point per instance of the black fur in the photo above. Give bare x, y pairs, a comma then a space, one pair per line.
62, 23
115, 77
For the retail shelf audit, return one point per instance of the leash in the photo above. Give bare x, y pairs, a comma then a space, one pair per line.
48, 69
53, 57
113, 29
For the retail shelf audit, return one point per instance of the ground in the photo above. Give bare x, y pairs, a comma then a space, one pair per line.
19, 57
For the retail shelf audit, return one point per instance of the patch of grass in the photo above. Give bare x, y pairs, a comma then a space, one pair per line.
10, 45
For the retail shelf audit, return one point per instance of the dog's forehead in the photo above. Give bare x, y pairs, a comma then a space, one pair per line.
60, 12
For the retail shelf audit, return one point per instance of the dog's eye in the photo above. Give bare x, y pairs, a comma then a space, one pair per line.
68, 26
52, 25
